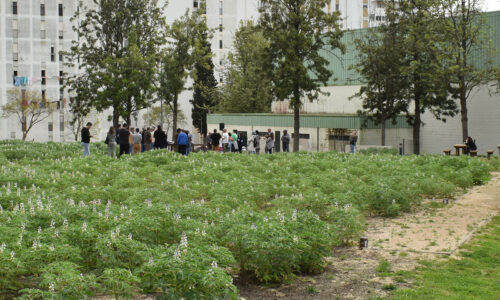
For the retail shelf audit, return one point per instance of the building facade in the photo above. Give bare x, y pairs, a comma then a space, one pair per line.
34, 33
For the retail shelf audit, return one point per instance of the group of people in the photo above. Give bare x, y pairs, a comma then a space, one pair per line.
132, 140
233, 142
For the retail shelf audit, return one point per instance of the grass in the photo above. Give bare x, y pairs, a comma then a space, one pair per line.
475, 275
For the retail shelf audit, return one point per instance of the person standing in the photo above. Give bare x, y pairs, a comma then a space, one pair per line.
353, 140
86, 139
131, 141
240, 142
285, 140
137, 139
256, 141
148, 139
225, 140
215, 140
182, 142
269, 144
124, 140
190, 142
111, 141
160, 138
117, 139
250, 144
234, 138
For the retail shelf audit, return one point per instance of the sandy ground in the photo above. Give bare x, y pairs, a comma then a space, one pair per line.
428, 234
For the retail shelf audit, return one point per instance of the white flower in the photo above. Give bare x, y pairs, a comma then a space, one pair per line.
51, 287
84, 227
12, 254
177, 253
184, 240
2, 247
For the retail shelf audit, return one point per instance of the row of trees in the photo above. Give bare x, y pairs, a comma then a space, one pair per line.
429, 56
128, 59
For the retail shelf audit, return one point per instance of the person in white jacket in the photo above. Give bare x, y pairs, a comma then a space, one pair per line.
224, 140
254, 143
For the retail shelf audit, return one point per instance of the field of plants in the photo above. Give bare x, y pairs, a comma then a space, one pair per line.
176, 226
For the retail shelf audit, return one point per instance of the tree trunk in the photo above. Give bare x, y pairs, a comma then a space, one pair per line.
25, 134
383, 132
174, 117
296, 120
116, 118
463, 112
416, 127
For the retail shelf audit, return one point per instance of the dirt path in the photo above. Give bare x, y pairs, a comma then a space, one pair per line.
351, 273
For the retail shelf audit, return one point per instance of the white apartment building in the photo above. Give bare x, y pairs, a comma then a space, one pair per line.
359, 13
34, 32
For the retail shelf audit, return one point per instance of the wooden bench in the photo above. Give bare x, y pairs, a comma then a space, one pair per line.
473, 153
490, 153
447, 152
458, 147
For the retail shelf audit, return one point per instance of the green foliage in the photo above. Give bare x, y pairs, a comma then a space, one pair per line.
248, 80
422, 56
205, 95
116, 50
121, 283
298, 31
382, 56
465, 30
182, 226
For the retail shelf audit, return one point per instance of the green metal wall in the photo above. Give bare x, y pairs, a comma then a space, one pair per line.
340, 63
306, 121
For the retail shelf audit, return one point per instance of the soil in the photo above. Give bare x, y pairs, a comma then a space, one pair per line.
435, 232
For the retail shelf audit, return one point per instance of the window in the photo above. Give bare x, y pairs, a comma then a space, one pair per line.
14, 7
52, 54
365, 5
60, 10
15, 52
337, 7
220, 27
221, 11
51, 126
195, 4
302, 136
44, 95
61, 79
14, 77
220, 44
44, 80
61, 34
42, 9
15, 31
61, 119
61, 58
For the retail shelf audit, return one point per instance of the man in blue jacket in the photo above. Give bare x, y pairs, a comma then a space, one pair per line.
182, 142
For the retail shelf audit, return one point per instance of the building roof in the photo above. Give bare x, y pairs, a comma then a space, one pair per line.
344, 75
306, 120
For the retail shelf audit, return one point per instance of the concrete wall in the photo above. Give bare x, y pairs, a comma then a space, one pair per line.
484, 120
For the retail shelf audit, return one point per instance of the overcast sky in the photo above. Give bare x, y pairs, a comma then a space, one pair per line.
491, 5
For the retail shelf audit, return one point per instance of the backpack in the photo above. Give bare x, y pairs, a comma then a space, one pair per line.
255, 142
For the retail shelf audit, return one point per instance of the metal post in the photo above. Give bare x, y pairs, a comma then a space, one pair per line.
317, 138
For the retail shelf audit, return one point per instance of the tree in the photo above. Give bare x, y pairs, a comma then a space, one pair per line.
176, 62
381, 58
205, 96
425, 64
29, 107
118, 42
466, 33
248, 81
154, 117
298, 31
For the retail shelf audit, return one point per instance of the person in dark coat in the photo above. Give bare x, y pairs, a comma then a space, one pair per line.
160, 138
124, 142
470, 145
86, 139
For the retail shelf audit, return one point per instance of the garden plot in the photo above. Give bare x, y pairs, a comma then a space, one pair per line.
161, 223
374, 272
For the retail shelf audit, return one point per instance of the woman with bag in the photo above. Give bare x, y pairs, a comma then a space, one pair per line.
111, 142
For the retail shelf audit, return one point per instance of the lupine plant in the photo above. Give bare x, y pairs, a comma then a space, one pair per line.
73, 227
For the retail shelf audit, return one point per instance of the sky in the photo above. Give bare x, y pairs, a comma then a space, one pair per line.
491, 5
